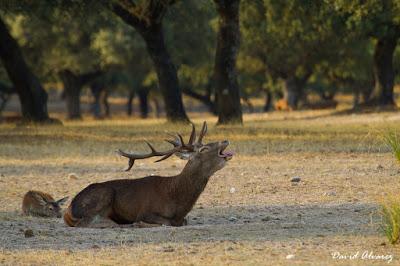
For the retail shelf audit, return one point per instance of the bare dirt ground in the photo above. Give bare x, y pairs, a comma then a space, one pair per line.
344, 166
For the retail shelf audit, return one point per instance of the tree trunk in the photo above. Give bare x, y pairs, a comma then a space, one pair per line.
152, 32
166, 73
291, 92
268, 101
72, 89
227, 88
293, 89
250, 106
383, 71
95, 88
129, 107
104, 101
5, 95
100, 94
143, 103
157, 107
32, 96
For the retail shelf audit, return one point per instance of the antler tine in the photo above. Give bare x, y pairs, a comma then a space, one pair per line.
131, 161
174, 142
151, 147
202, 133
164, 157
182, 143
192, 136
132, 157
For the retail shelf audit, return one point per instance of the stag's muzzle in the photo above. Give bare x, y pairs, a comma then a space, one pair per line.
227, 155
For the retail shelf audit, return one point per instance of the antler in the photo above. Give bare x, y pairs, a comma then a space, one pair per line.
202, 133
178, 143
177, 140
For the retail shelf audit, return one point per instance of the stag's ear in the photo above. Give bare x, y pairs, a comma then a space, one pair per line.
204, 149
61, 201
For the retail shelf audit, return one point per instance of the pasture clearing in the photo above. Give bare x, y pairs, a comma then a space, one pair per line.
344, 166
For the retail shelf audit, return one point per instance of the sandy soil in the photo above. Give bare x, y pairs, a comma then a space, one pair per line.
344, 167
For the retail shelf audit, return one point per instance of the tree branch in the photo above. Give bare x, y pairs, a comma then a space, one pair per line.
156, 10
88, 77
202, 98
128, 17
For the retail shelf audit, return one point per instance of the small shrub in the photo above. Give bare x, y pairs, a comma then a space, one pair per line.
391, 219
393, 141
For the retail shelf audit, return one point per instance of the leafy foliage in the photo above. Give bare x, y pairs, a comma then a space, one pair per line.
280, 39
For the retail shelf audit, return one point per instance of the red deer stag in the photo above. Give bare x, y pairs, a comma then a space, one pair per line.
151, 200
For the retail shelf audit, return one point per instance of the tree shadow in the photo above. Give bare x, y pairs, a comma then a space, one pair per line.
236, 223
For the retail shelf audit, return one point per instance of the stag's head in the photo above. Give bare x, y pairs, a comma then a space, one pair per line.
210, 157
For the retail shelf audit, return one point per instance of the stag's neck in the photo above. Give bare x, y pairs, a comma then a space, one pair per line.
195, 175
190, 183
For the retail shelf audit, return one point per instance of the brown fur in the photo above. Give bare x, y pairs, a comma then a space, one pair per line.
68, 219
152, 199
39, 203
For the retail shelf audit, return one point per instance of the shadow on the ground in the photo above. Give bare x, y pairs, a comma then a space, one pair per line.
331, 113
238, 223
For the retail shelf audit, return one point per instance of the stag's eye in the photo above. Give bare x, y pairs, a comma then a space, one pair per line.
51, 208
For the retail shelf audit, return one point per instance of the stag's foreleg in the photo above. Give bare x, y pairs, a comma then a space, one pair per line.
155, 220
97, 222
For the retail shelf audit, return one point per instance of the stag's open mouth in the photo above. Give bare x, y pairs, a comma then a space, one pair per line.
227, 155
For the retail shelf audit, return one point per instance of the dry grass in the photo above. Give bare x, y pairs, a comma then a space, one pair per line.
393, 141
391, 219
344, 165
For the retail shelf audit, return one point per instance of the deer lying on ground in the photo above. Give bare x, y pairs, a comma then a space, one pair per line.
152, 200
38, 203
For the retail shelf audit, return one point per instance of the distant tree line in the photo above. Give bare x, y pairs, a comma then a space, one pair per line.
219, 52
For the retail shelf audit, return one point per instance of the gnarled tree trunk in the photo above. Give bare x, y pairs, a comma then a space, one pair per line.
166, 73
383, 71
152, 32
32, 96
227, 88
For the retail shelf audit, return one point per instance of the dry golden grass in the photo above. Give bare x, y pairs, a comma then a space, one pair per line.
391, 218
345, 168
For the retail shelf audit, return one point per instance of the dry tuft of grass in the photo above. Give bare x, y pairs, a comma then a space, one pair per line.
391, 219
392, 139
